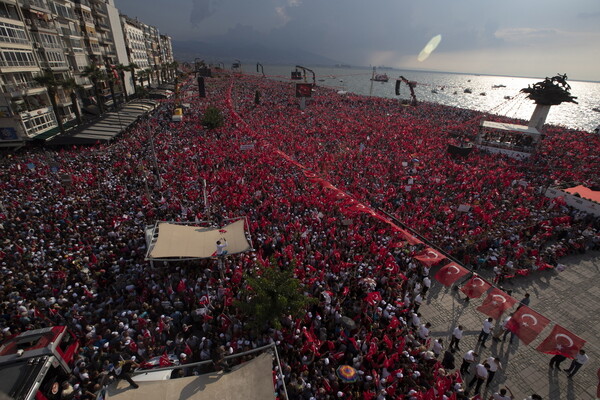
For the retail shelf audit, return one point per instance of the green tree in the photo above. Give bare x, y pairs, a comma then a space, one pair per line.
213, 118
271, 295
121, 70
52, 85
71, 86
95, 75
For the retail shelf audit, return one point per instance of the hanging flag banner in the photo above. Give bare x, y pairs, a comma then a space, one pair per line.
496, 303
527, 324
430, 257
450, 273
561, 341
475, 287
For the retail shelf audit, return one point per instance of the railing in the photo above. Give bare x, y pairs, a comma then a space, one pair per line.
8, 39
36, 3
38, 120
8, 63
21, 86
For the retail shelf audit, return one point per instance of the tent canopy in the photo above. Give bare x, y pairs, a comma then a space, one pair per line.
176, 241
250, 381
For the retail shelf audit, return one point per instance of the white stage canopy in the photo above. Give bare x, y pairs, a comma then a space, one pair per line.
250, 381
172, 241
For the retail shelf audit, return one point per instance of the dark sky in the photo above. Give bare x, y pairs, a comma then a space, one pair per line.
508, 37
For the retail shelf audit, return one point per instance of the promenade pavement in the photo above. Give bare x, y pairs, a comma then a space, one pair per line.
570, 298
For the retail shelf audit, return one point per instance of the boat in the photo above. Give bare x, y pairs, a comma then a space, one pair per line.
467, 90
597, 109
380, 78
482, 94
507, 97
498, 86
434, 91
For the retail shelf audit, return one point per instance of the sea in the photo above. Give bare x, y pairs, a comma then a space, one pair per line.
498, 95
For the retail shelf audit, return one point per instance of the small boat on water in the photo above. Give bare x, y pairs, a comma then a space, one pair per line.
498, 86
597, 109
507, 97
467, 90
482, 94
380, 78
434, 91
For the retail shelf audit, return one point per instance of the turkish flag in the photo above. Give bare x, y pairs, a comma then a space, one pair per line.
496, 303
164, 360
430, 257
561, 341
450, 273
527, 324
373, 298
475, 287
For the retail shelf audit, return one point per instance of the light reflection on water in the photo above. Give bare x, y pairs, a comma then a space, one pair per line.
576, 116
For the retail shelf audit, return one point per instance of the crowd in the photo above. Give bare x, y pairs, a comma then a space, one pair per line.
72, 224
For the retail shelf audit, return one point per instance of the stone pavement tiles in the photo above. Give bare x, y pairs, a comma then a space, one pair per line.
570, 298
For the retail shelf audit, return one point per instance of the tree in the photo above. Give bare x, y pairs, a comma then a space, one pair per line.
213, 118
121, 70
71, 86
550, 91
132, 67
271, 295
110, 79
95, 75
148, 74
51, 84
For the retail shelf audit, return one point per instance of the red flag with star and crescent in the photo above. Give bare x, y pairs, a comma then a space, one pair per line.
561, 341
475, 287
430, 257
450, 273
496, 303
527, 324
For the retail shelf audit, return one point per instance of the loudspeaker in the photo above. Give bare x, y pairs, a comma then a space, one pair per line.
398, 81
201, 88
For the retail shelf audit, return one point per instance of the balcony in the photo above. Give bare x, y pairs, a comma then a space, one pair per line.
13, 63
40, 24
38, 121
38, 4
8, 39
22, 88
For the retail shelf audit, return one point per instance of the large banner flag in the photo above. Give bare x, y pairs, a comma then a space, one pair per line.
527, 324
496, 303
475, 287
561, 341
450, 273
430, 257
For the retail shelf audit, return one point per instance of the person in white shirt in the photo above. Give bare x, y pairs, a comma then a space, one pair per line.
501, 395
221, 247
418, 301
426, 284
485, 331
495, 365
577, 363
481, 374
437, 347
468, 359
424, 331
457, 334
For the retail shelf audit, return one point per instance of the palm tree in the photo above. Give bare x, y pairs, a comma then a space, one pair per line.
71, 86
122, 69
142, 75
132, 67
148, 72
95, 75
110, 79
52, 85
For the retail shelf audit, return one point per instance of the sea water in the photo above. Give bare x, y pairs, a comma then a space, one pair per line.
448, 89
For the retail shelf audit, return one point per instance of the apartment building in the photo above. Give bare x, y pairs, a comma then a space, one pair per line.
60, 39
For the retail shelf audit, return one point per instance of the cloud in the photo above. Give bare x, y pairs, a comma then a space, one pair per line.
586, 15
281, 13
519, 35
294, 3
201, 10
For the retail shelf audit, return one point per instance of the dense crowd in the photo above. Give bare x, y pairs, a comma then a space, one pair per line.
73, 249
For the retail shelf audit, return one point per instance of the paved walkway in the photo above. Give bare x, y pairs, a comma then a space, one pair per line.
570, 298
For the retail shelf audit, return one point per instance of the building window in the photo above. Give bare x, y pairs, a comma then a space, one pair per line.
16, 58
12, 33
